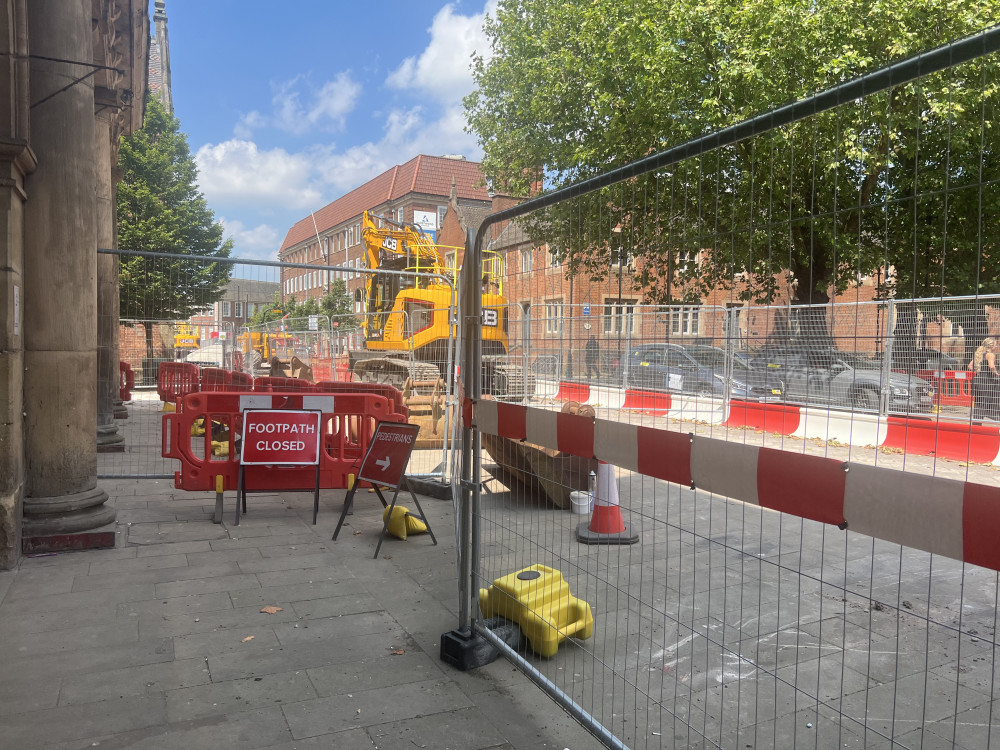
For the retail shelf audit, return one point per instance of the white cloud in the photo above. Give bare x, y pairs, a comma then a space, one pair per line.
260, 242
237, 173
443, 69
325, 109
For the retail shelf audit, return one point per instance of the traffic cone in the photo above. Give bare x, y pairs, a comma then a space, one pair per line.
606, 525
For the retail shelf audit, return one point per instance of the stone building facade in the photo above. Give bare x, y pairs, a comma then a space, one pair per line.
74, 81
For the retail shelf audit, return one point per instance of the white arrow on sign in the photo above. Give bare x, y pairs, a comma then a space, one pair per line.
382, 463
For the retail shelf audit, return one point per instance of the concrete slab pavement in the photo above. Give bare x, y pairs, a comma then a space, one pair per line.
161, 642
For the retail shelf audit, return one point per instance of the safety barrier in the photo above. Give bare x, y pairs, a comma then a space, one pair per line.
277, 384
175, 380
215, 379
647, 401
951, 387
240, 381
957, 519
573, 392
126, 381
348, 423
766, 417
382, 389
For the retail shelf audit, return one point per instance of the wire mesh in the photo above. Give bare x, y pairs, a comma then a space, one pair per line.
820, 286
242, 317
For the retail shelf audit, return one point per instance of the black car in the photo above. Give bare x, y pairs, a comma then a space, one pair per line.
698, 370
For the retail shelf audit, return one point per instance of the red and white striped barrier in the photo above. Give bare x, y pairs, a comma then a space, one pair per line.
948, 517
925, 436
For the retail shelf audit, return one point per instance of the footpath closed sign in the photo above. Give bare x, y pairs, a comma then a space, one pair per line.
276, 436
388, 453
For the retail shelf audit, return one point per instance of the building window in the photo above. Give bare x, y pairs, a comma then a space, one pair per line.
225, 310
684, 322
553, 316
237, 310
554, 261
400, 216
526, 261
686, 259
442, 210
618, 316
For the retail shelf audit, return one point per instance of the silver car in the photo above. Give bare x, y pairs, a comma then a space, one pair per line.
835, 378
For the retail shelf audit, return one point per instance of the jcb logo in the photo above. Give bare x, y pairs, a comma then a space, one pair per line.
389, 243
490, 317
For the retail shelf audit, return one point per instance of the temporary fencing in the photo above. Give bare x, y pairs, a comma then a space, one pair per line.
180, 335
812, 485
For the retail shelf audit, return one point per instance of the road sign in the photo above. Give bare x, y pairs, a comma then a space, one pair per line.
280, 437
586, 309
388, 453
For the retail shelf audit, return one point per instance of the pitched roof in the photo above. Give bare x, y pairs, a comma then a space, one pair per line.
428, 175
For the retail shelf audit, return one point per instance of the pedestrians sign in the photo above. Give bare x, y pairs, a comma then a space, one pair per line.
280, 437
384, 465
586, 309
388, 453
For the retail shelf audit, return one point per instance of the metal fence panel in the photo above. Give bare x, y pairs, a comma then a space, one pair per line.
764, 382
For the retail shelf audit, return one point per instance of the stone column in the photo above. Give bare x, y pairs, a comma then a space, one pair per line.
60, 295
16, 161
108, 438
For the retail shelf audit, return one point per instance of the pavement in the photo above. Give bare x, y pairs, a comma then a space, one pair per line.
164, 642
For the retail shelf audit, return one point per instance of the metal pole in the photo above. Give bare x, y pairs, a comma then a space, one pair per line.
471, 377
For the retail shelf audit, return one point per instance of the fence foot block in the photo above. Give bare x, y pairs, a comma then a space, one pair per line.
586, 536
464, 650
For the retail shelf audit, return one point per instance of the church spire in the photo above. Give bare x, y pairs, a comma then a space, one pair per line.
159, 58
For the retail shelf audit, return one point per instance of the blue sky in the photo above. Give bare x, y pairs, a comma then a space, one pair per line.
288, 106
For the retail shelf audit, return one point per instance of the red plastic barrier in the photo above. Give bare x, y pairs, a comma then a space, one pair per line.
951, 387
346, 435
649, 401
275, 384
126, 381
573, 392
778, 419
322, 369
382, 389
215, 379
240, 381
175, 380
343, 369
958, 441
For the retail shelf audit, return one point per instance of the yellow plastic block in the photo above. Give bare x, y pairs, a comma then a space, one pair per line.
402, 523
198, 427
539, 600
220, 447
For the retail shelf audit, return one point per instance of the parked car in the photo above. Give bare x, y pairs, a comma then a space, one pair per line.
835, 378
674, 368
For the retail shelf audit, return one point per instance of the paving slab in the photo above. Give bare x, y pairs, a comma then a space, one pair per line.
237, 696
377, 706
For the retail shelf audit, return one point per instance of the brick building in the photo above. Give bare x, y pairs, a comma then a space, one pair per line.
241, 298
421, 191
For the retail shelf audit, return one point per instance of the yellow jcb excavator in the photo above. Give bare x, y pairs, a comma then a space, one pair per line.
407, 315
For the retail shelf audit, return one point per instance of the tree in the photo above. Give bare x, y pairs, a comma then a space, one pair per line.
335, 304
160, 209
904, 179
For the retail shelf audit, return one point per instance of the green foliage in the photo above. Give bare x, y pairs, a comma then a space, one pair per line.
906, 178
160, 209
335, 304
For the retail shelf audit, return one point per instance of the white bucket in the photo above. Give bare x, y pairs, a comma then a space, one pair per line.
583, 502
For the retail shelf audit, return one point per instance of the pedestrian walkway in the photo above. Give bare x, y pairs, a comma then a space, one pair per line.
267, 635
